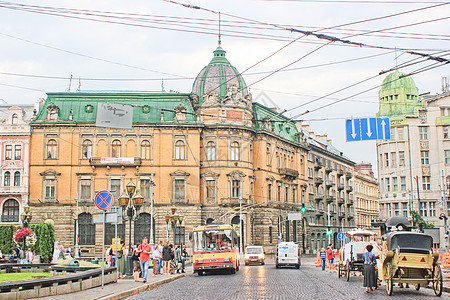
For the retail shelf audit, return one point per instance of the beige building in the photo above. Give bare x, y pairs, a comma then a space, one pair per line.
367, 208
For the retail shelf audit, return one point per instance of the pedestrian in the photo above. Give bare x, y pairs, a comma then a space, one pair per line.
330, 256
370, 262
121, 254
29, 256
19, 253
160, 249
323, 257
156, 259
136, 264
145, 250
167, 257
178, 258
55, 254
173, 262
109, 254
61, 253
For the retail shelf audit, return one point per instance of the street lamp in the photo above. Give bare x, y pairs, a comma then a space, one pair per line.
124, 201
175, 218
26, 216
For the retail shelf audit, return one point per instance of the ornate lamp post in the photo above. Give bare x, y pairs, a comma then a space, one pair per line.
26, 216
131, 206
176, 218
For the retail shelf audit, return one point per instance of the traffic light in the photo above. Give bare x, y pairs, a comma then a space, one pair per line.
303, 209
329, 231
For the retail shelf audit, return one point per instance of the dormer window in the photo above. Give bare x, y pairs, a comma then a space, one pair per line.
53, 115
180, 113
53, 112
14, 119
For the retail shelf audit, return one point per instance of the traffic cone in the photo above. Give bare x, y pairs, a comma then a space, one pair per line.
317, 263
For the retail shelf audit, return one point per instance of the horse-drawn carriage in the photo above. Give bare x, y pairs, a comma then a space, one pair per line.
408, 257
350, 255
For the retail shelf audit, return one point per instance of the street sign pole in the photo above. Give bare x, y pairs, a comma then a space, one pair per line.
103, 249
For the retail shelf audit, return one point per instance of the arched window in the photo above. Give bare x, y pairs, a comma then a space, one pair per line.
86, 229
14, 119
250, 152
51, 149
116, 148
17, 178
142, 228
145, 149
10, 212
7, 179
210, 151
180, 150
87, 149
234, 151
209, 220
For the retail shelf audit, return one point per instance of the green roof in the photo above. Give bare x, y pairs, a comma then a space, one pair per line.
393, 81
147, 105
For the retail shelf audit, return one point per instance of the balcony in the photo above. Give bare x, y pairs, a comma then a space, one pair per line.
330, 199
318, 181
350, 217
341, 215
319, 213
318, 165
349, 189
340, 186
274, 203
329, 184
349, 202
115, 161
340, 201
288, 173
328, 169
340, 173
319, 197
230, 201
10, 219
348, 175
180, 201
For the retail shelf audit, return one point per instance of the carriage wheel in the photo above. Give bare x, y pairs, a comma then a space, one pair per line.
389, 280
339, 270
348, 270
437, 280
417, 286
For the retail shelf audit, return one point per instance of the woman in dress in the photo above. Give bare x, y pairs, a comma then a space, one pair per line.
370, 261
136, 264
173, 262
121, 254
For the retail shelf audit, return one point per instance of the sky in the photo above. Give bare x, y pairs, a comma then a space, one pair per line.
168, 44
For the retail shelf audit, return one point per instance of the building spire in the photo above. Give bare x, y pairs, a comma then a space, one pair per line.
220, 41
396, 63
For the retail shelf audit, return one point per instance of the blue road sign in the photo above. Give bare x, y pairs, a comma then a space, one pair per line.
103, 200
341, 236
365, 129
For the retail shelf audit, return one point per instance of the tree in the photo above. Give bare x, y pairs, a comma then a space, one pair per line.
46, 238
419, 222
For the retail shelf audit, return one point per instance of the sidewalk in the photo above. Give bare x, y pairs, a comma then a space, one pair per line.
122, 289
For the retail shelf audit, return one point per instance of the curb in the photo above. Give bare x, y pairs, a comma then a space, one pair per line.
143, 288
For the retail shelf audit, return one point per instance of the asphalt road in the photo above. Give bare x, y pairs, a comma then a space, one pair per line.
267, 282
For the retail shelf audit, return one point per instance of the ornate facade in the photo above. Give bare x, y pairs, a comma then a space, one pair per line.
367, 208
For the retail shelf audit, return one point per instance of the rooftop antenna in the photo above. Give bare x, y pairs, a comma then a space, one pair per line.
220, 41
396, 63
70, 82
162, 86
79, 84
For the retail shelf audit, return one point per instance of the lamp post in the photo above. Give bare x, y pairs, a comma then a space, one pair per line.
26, 216
175, 218
131, 206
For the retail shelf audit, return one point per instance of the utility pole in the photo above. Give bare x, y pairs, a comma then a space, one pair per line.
76, 234
328, 217
241, 229
151, 210
444, 214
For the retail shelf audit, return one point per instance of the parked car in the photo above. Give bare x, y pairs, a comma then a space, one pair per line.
254, 254
287, 254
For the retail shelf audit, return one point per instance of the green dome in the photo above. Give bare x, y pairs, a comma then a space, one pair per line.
218, 76
392, 82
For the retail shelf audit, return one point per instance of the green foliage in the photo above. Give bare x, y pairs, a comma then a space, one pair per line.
419, 222
6, 238
46, 239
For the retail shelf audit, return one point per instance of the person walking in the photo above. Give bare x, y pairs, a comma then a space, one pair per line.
136, 264
173, 262
167, 257
121, 256
109, 254
323, 257
330, 256
370, 262
55, 254
145, 250
179, 259
160, 249
156, 259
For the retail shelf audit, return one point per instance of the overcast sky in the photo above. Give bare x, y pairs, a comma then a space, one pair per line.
175, 43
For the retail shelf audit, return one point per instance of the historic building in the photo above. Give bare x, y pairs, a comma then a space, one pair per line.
14, 156
210, 150
330, 190
414, 164
367, 208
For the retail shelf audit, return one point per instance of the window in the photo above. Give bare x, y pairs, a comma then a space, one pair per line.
116, 145
394, 184
294, 195
386, 160
400, 133
115, 187
426, 183
51, 149
423, 209
423, 133
250, 152
269, 192
396, 209
445, 131
447, 157
270, 234
403, 183
393, 159
145, 149
234, 151
279, 193
14, 119
405, 209
50, 186
424, 157
87, 149
180, 150
210, 189
268, 155
17, 178
179, 189
18, 152
278, 159
401, 158
86, 229
235, 188
388, 184
7, 179
8, 152
85, 189
145, 188
380, 161
210, 151
10, 211
286, 194
432, 209
53, 115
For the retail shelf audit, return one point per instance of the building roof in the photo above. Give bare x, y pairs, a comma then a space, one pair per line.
395, 81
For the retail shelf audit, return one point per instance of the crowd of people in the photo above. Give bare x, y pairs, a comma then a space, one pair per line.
20, 255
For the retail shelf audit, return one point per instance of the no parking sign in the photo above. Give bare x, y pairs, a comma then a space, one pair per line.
103, 200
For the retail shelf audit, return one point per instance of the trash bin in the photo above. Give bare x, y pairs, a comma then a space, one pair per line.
74, 263
94, 261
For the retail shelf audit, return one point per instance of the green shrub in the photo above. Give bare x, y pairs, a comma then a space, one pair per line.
46, 240
6, 238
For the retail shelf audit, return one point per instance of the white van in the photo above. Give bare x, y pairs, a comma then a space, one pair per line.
287, 254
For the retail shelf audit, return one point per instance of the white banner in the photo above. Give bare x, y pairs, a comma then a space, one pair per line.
117, 160
114, 115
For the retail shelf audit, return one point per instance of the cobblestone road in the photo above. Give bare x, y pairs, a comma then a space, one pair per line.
267, 282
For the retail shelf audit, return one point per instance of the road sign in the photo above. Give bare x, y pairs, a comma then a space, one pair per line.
103, 200
119, 212
341, 236
295, 217
109, 217
365, 129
